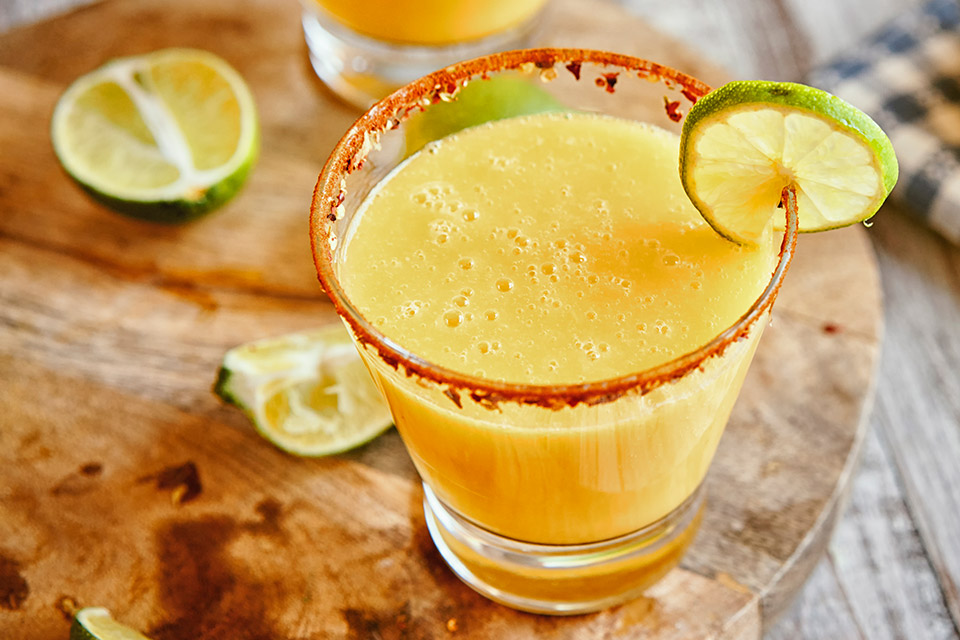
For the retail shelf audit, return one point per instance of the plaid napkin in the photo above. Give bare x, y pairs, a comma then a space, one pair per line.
907, 77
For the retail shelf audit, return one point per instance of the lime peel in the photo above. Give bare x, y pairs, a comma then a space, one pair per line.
96, 623
744, 142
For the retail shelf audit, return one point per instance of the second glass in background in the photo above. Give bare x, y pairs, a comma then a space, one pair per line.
364, 49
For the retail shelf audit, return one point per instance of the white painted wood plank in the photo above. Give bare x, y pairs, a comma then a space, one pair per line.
880, 560
769, 39
17, 12
750, 38
832, 26
877, 582
821, 611
918, 402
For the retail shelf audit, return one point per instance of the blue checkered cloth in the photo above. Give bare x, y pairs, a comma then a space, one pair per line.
907, 77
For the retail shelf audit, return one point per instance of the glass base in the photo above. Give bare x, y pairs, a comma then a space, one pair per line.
561, 579
362, 70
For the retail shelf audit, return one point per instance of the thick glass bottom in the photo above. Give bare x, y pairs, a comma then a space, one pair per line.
361, 70
562, 579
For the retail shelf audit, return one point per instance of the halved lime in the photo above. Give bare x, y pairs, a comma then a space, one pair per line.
165, 136
308, 392
744, 142
96, 623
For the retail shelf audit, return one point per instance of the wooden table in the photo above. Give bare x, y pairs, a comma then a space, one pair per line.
894, 563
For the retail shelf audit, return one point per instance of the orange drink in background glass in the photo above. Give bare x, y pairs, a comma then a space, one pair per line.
364, 49
431, 22
560, 337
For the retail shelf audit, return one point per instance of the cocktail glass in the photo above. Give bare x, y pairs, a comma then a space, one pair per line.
364, 49
555, 499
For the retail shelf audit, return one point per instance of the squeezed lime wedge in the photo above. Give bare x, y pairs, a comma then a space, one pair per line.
96, 623
307, 392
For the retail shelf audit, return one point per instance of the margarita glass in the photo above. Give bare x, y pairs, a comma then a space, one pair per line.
365, 49
568, 496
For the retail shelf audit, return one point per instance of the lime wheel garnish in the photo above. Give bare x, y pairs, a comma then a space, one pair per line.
743, 143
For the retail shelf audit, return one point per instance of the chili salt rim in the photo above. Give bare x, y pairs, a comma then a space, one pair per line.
350, 152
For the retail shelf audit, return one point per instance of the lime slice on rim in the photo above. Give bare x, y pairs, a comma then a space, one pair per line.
95, 623
165, 136
308, 392
744, 142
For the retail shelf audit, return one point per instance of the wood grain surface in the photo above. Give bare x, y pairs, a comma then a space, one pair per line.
125, 484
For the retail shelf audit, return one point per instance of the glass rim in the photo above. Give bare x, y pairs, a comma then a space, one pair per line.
363, 136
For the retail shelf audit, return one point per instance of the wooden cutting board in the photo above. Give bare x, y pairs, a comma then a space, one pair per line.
124, 483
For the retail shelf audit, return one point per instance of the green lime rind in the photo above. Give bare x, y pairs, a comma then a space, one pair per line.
480, 101
96, 623
223, 388
345, 446
175, 211
198, 191
741, 93
740, 96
